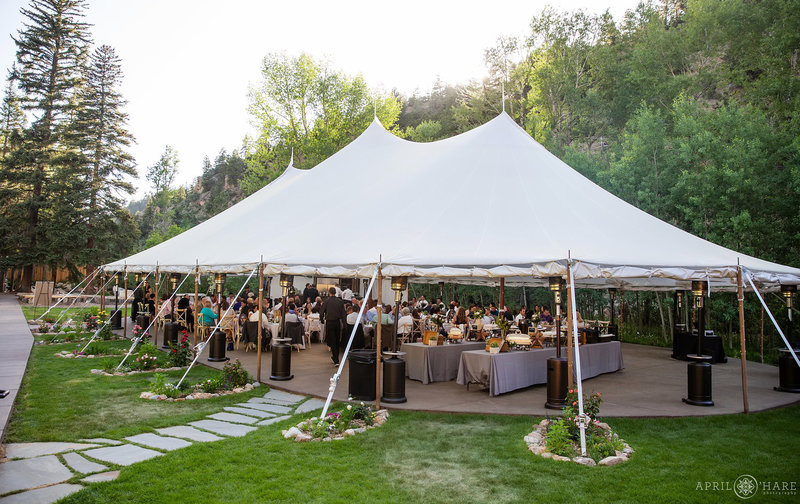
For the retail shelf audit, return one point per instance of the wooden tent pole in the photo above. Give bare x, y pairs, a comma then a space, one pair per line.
196, 287
260, 308
102, 293
502, 294
569, 331
378, 342
742, 341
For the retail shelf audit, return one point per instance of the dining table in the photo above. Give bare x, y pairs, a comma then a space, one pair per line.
516, 369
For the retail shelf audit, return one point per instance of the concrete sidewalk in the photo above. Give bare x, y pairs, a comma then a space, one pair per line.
16, 341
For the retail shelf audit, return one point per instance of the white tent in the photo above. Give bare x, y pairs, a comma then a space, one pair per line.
485, 204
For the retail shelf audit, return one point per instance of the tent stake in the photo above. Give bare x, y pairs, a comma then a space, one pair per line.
740, 292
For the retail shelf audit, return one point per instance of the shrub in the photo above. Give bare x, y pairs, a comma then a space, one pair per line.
144, 362
559, 440
603, 446
95, 349
234, 376
160, 386
211, 385
591, 407
148, 348
105, 333
44, 328
180, 355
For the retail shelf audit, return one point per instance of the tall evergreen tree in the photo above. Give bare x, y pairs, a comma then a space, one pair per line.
51, 51
12, 118
102, 137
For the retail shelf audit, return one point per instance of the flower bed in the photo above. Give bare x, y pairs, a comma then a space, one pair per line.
198, 393
232, 380
353, 419
559, 439
135, 371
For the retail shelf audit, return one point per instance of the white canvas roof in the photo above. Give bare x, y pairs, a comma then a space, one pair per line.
488, 203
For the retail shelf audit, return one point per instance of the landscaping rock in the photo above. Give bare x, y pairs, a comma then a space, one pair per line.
379, 420
360, 430
248, 387
611, 461
584, 461
256, 384
604, 426
302, 437
546, 454
561, 459
145, 395
293, 432
536, 449
544, 422
533, 438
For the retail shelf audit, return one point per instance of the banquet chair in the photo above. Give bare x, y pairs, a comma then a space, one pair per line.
294, 330
230, 326
404, 336
314, 326
181, 318
417, 330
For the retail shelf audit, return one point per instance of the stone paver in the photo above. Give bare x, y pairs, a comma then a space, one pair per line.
233, 417
97, 478
44, 495
269, 421
102, 440
162, 443
283, 397
248, 411
30, 450
258, 403
81, 465
123, 455
223, 428
310, 405
30, 473
184, 431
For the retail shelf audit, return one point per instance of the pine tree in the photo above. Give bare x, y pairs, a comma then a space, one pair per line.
51, 52
103, 139
12, 118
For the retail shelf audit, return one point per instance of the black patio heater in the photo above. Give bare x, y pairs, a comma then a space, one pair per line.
281, 347
218, 340
171, 328
394, 367
557, 368
116, 317
788, 371
613, 328
699, 367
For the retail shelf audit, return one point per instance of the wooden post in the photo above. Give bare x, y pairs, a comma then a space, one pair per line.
125, 304
194, 311
102, 292
742, 341
502, 294
570, 346
378, 343
260, 307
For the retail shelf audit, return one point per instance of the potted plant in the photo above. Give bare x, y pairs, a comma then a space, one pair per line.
494, 347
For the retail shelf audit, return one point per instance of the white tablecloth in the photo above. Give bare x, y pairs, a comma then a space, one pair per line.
435, 363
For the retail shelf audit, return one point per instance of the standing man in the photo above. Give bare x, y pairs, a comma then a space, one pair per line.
347, 294
332, 315
307, 294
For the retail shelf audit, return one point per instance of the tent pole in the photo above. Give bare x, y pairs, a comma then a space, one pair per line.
740, 289
103, 296
502, 294
570, 308
196, 286
789, 346
583, 419
157, 307
378, 342
260, 308
125, 303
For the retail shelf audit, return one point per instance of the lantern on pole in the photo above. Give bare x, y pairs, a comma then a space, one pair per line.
788, 370
557, 367
399, 284
699, 369
556, 285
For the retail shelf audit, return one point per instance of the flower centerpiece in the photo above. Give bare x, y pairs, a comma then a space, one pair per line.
478, 315
503, 325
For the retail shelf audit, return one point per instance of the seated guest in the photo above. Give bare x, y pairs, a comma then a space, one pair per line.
372, 312
523, 315
507, 314
238, 304
166, 308
492, 310
460, 317
422, 303
487, 317
352, 314
386, 317
291, 315
207, 315
406, 322
252, 316
151, 304
546, 317
185, 304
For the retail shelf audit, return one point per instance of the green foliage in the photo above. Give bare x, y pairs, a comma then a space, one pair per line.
144, 362
162, 173
160, 386
157, 236
233, 375
601, 446
95, 348
179, 355
212, 385
559, 440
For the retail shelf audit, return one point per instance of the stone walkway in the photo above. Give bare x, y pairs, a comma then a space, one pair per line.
45, 472
16, 341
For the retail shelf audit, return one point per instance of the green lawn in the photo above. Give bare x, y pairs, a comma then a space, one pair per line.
424, 457
55, 312
61, 401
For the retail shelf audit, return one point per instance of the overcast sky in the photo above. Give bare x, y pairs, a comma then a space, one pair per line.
188, 63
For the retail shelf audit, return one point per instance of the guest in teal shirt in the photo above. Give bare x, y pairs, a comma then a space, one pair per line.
207, 315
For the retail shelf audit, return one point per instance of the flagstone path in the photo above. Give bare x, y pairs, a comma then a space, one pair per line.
38, 472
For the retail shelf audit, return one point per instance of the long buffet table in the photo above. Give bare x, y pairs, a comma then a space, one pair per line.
435, 363
507, 371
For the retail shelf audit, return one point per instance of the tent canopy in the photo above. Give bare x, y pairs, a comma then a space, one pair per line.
485, 204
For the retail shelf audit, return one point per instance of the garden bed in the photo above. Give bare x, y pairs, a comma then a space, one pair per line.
233, 379
351, 420
198, 393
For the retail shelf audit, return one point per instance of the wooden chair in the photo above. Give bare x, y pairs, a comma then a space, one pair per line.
230, 326
314, 326
181, 318
294, 330
404, 336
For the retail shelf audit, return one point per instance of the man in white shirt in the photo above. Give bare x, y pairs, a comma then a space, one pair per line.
347, 294
422, 303
405, 323
338, 290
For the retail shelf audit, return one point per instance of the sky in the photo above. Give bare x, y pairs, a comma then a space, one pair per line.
188, 64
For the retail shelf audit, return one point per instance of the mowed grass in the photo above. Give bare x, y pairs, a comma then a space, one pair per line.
60, 400
56, 312
424, 457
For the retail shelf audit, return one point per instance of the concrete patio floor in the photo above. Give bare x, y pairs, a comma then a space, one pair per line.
651, 385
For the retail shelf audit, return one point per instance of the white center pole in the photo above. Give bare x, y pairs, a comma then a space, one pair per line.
775, 323
203, 344
335, 378
574, 316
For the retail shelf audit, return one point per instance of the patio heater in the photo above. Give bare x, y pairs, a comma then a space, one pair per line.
699, 369
394, 367
613, 328
116, 318
557, 367
281, 347
171, 328
218, 340
788, 371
